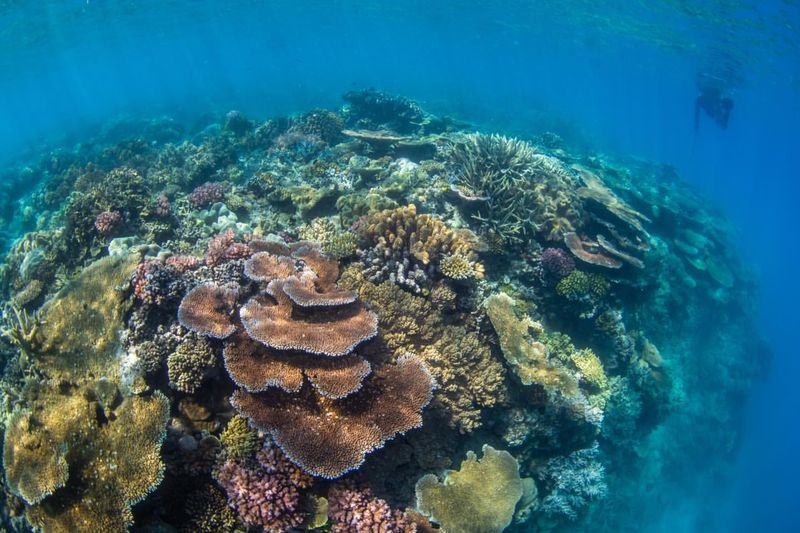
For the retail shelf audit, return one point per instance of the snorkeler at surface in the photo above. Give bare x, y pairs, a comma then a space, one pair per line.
715, 84
716, 105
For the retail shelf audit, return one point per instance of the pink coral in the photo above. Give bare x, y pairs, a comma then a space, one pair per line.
224, 247
266, 495
182, 263
353, 508
107, 221
206, 194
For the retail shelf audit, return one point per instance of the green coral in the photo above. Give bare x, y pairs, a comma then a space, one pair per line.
332, 238
579, 284
478, 498
239, 440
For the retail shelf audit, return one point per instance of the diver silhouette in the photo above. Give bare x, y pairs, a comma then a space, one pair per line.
715, 83
717, 105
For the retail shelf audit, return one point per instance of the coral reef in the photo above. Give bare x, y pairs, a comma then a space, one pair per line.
480, 497
361, 295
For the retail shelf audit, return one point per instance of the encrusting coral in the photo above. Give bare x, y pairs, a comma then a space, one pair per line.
528, 358
480, 497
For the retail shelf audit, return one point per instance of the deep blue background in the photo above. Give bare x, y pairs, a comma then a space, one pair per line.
618, 78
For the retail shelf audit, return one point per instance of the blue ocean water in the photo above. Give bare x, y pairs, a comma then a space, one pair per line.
616, 76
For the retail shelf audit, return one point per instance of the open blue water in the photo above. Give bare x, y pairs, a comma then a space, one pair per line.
614, 75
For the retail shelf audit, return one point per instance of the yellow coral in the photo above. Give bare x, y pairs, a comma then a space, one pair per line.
239, 440
113, 459
478, 498
528, 357
591, 368
426, 237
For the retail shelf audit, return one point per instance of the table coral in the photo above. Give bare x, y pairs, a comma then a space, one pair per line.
478, 498
112, 465
309, 428
207, 310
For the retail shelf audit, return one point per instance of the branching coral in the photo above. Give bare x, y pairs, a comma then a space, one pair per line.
355, 509
239, 440
189, 364
512, 191
409, 248
268, 493
478, 498
572, 482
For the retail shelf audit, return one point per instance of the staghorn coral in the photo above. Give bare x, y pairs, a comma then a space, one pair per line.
528, 357
266, 494
239, 440
190, 364
309, 427
469, 379
353, 508
512, 191
478, 498
207, 310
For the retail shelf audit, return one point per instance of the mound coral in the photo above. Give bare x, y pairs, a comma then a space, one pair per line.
478, 498
239, 440
557, 262
580, 285
268, 493
189, 364
206, 194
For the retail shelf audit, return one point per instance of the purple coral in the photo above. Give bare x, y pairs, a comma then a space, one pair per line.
353, 508
153, 282
206, 194
107, 221
556, 261
268, 494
